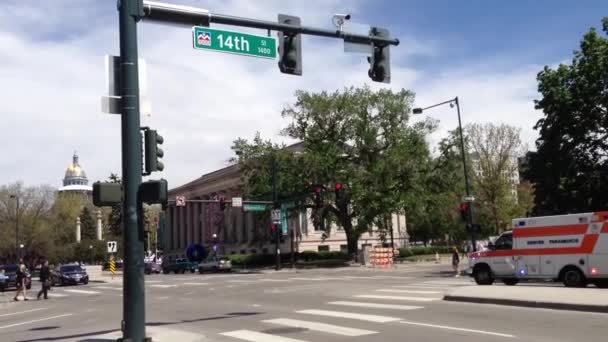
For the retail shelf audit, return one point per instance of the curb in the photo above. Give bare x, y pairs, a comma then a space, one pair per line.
529, 303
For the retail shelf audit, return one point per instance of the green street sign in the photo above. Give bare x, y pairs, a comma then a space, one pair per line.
254, 207
205, 38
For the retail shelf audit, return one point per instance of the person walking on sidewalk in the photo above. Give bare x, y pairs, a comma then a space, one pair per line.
44, 280
20, 283
455, 260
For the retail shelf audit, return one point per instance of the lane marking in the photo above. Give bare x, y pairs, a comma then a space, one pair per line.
34, 321
376, 305
21, 312
164, 297
421, 287
276, 280
196, 284
82, 291
58, 295
153, 281
323, 327
390, 277
361, 317
414, 299
458, 329
254, 336
408, 291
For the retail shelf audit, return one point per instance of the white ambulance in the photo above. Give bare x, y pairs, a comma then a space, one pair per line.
571, 248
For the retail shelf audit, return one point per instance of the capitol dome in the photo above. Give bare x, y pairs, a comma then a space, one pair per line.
75, 178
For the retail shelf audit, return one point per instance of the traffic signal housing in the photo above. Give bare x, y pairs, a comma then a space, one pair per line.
379, 61
153, 152
339, 192
290, 47
319, 196
464, 211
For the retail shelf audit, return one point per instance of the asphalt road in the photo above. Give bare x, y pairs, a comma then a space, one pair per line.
349, 304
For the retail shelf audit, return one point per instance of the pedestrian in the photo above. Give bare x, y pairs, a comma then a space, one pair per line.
44, 280
20, 283
455, 260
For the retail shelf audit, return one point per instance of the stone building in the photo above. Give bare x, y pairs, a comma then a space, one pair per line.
242, 232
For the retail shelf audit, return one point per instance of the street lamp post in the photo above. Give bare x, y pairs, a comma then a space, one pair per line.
18, 250
469, 222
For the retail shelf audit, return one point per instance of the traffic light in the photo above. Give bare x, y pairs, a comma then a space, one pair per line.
222, 203
464, 211
339, 192
290, 47
152, 151
319, 196
379, 61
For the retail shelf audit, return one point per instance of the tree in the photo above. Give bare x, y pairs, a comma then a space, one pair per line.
570, 169
358, 138
494, 150
87, 225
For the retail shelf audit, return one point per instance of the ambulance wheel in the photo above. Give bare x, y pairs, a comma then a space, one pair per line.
573, 277
483, 275
510, 281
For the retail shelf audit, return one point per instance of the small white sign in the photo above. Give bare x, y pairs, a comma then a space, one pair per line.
276, 216
237, 201
180, 201
469, 198
112, 246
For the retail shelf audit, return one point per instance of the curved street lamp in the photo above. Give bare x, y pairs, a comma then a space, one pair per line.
454, 102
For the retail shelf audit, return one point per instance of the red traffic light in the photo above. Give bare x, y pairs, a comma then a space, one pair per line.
318, 190
338, 186
464, 207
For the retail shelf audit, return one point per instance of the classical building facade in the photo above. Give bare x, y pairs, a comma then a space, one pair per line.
243, 232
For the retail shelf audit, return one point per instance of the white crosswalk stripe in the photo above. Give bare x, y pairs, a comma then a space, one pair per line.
376, 305
408, 291
108, 288
163, 286
81, 291
195, 284
275, 280
351, 315
413, 299
322, 327
254, 336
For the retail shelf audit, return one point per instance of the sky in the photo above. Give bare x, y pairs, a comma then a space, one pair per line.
487, 53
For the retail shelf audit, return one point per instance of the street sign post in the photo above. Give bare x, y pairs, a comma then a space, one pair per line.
180, 201
254, 207
239, 43
112, 246
276, 216
237, 201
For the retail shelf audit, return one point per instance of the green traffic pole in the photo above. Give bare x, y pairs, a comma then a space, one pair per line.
133, 325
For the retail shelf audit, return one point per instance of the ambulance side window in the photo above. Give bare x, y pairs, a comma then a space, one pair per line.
505, 242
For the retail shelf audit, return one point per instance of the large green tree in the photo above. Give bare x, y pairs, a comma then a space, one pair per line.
87, 225
570, 168
357, 137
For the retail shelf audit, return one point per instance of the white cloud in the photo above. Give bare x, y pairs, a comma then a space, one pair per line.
201, 101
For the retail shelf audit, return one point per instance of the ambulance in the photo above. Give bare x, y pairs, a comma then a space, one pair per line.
572, 249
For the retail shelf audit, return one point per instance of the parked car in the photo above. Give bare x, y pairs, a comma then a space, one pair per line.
179, 265
215, 264
153, 267
69, 274
3, 281
10, 271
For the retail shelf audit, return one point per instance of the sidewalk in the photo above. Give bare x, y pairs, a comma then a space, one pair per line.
157, 334
560, 298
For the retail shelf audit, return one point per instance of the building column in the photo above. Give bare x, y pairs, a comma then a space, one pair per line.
182, 228
78, 229
175, 228
188, 224
99, 227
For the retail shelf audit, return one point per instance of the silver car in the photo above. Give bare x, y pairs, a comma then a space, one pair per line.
215, 264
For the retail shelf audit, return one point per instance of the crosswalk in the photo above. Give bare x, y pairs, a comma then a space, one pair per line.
386, 304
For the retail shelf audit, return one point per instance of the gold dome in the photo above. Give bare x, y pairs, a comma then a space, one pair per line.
75, 174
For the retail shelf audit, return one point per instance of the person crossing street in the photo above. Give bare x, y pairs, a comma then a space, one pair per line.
44, 280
